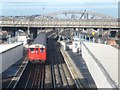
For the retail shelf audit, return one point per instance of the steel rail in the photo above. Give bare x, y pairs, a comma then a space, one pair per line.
71, 69
52, 68
43, 77
18, 74
57, 64
32, 86
28, 80
59, 60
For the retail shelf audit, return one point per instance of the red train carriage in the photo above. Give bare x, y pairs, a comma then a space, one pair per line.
37, 51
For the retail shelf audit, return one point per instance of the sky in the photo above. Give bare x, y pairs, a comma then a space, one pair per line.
32, 7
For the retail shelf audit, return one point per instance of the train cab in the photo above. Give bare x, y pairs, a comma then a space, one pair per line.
37, 52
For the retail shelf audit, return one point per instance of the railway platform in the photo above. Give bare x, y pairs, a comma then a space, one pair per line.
81, 68
10, 72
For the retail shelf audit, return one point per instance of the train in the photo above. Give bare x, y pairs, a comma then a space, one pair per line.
37, 50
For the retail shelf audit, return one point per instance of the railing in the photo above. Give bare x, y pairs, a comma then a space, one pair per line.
61, 23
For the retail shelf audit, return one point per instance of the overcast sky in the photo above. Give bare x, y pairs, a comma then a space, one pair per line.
32, 7
59, 0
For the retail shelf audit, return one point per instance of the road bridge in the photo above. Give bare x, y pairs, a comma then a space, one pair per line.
63, 19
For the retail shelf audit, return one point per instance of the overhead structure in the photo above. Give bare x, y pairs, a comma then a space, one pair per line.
62, 19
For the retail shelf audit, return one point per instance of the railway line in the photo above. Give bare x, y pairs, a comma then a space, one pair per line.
54, 73
33, 77
61, 76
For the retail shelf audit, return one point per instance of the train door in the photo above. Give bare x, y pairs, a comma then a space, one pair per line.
37, 53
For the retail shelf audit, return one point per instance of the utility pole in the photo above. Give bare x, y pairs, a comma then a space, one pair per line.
28, 29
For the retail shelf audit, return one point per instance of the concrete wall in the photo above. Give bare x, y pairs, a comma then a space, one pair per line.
99, 74
11, 56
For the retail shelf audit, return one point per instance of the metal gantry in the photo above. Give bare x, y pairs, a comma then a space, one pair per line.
62, 19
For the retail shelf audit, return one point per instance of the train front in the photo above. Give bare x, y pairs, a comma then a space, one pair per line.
37, 53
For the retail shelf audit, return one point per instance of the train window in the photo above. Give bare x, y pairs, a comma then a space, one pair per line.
41, 49
36, 50
32, 50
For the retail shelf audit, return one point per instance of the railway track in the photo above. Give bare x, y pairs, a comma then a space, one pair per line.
33, 77
53, 74
18, 74
61, 77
